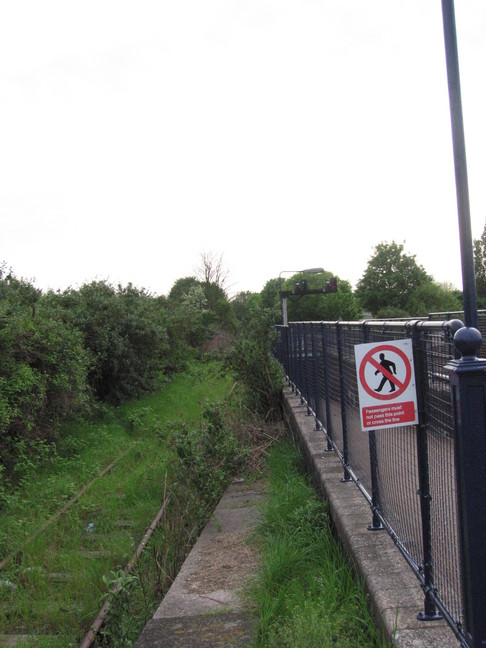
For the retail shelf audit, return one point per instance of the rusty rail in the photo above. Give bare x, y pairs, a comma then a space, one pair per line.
98, 622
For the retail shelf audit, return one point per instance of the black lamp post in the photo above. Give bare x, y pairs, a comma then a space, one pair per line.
468, 381
460, 165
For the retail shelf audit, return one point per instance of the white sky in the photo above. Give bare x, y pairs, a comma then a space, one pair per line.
283, 134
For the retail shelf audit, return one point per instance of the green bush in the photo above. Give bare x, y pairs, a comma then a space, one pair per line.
124, 331
208, 453
196, 312
251, 361
43, 370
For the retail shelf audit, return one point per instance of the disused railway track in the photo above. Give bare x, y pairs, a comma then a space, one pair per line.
61, 511
17, 566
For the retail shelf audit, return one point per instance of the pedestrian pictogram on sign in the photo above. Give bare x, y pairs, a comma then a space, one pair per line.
386, 384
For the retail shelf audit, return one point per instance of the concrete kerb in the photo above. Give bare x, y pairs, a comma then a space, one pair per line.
394, 592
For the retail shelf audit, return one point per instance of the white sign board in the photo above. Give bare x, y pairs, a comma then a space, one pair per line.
386, 384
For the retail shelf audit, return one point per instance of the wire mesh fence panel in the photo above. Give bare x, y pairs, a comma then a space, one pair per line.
332, 361
398, 477
358, 441
310, 374
294, 353
390, 470
299, 359
319, 377
438, 349
280, 346
398, 483
444, 522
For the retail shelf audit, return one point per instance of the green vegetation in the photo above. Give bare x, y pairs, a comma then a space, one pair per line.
176, 446
55, 581
93, 418
306, 595
251, 362
480, 268
331, 306
68, 355
395, 285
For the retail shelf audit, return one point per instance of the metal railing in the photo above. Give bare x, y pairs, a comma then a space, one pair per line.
407, 474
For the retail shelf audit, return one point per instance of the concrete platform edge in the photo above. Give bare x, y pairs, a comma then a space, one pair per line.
203, 607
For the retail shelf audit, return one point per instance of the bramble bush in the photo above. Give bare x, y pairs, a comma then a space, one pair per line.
43, 368
209, 453
124, 331
251, 361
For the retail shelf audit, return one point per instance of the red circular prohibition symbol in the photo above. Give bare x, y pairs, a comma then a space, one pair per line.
401, 386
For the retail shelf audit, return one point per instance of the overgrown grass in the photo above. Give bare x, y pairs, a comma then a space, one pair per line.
168, 445
306, 595
54, 583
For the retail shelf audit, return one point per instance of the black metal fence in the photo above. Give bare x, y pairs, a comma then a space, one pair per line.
407, 474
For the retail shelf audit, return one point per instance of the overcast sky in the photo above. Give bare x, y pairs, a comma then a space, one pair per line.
283, 134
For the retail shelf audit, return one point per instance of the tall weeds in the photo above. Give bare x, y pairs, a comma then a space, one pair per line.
305, 595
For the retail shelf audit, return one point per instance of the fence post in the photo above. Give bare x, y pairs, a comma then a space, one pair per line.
292, 358
347, 476
376, 524
468, 394
329, 431
430, 612
306, 355
315, 366
300, 387
284, 345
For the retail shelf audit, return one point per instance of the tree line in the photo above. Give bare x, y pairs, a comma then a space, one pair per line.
69, 353
393, 285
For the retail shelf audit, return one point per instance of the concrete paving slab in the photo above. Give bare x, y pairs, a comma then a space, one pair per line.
225, 630
204, 606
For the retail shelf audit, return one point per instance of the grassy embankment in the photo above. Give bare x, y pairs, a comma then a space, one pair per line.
52, 586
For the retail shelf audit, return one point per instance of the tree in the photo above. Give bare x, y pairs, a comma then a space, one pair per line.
389, 279
270, 294
433, 297
212, 271
480, 268
326, 307
395, 285
242, 301
182, 287
218, 311
16, 293
43, 369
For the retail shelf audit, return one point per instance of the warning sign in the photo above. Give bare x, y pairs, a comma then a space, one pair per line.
386, 384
